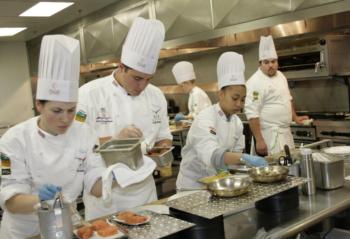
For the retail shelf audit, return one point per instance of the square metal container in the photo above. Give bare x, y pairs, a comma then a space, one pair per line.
161, 156
329, 174
126, 151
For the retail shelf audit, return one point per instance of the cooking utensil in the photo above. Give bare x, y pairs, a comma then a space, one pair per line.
161, 155
126, 151
229, 186
269, 174
286, 160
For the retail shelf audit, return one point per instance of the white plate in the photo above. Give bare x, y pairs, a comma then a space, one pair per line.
115, 218
338, 150
160, 209
96, 236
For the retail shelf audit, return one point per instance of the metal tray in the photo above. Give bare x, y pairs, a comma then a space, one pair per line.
162, 156
126, 151
204, 205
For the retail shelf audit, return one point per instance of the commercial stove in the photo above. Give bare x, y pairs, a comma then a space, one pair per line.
333, 126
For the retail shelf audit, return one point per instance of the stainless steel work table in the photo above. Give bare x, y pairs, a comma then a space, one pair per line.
311, 211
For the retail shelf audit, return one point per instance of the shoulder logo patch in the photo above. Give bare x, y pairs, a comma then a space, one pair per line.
5, 164
80, 116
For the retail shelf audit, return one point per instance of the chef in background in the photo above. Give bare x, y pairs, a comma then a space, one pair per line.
269, 106
215, 139
125, 105
198, 100
48, 153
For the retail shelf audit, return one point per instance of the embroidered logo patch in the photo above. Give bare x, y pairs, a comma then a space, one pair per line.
212, 130
5, 164
255, 95
80, 116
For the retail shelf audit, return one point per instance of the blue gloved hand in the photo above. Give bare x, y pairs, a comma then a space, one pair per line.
179, 116
253, 160
48, 192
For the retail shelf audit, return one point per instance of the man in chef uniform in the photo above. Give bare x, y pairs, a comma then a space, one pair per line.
198, 100
216, 139
50, 152
125, 105
269, 107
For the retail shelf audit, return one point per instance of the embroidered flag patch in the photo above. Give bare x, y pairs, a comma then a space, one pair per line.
80, 116
5, 164
255, 95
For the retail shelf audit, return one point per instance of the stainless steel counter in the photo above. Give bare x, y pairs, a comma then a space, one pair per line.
312, 210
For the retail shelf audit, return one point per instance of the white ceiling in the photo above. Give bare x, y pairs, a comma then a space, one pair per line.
10, 9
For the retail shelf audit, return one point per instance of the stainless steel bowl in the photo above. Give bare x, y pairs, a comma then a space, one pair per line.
231, 186
269, 174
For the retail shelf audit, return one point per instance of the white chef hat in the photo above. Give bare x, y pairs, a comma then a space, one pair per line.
267, 48
183, 71
142, 45
230, 69
59, 68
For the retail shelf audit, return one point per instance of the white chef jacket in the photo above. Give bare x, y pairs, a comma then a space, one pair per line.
39, 158
108, 109
197, 101
210, 131
269, 99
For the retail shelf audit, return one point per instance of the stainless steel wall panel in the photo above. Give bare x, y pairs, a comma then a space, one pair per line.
183, 18
98, 38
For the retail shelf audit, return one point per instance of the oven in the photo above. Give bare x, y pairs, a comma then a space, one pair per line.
336, 130
303, 135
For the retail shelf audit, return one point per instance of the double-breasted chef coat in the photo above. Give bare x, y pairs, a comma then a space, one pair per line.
107, 107
197, 101
269, 99
31, 158
210, 131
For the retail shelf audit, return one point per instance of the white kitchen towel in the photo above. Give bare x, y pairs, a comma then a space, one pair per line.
124, 177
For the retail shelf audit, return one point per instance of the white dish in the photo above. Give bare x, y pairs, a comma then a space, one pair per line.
96, 236
338, 150
115, 218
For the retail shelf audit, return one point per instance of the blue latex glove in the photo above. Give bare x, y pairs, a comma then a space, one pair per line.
48, 192
253, 160
179, 116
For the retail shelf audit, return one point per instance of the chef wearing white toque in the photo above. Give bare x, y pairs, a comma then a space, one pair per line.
215, 139
198, 100
125, 105
50, 152
268, 106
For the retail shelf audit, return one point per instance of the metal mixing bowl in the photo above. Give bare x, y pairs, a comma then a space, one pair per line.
229, 187
269, 174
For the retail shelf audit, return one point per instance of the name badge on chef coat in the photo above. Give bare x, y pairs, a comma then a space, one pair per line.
156, 116
102, 117
81, 156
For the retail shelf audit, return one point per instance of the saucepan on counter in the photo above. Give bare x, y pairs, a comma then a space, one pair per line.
269, 174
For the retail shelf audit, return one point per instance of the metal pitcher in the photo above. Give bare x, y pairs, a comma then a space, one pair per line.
55, 221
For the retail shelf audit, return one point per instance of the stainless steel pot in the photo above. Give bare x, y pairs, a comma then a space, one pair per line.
231, 186
269, 174
55, 221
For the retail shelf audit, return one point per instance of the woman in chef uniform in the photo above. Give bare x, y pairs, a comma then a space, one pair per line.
216, 139
198, 100
47, 153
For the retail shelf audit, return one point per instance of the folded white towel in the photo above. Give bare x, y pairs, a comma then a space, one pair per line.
124, 177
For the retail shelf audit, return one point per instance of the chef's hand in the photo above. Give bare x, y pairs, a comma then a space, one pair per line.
48, 192
130, 131
300, 119
261, 148
179, 116
253, 160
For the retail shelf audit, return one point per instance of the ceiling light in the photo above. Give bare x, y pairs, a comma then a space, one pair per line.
45, 9
10, 31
